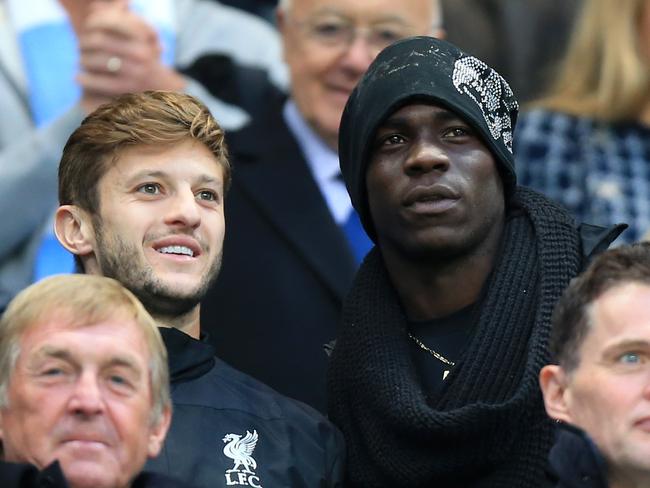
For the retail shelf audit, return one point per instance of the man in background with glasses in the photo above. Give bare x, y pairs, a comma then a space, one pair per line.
294, 241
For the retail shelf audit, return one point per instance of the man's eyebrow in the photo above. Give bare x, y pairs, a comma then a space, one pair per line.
627, 344
326, 10
157, 174
209, 180
390, 19
53, 352
147, 173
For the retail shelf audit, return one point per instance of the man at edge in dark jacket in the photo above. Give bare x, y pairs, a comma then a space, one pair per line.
599, 387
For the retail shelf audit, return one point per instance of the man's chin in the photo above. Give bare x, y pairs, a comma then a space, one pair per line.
85, 474
167, 301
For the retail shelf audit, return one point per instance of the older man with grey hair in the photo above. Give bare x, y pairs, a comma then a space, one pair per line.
84, 386
294, 241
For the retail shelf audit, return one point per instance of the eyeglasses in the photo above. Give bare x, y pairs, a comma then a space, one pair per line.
341, 33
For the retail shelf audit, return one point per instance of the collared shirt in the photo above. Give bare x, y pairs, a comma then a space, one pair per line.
323, 163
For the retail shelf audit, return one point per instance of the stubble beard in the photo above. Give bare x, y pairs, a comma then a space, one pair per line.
120, 261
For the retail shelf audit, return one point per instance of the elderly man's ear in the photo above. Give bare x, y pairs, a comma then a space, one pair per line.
158, 433
74, 230
555, 386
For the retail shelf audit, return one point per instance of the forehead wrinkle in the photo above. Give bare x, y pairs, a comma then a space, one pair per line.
380, 19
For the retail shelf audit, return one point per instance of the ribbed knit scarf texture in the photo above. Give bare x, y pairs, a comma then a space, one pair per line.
488, 427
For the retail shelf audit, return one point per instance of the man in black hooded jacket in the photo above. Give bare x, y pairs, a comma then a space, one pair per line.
433, 379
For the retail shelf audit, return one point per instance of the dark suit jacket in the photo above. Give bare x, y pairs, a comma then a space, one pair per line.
286, 264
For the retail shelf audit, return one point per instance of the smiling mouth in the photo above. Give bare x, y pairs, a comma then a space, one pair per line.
176, 250
340, 90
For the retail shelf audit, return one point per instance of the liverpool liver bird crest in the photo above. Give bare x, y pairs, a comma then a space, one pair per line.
240, 451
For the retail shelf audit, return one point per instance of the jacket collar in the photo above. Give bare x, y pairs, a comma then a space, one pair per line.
575, 459
187, 357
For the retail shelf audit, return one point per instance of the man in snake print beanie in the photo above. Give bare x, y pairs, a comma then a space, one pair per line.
433, 379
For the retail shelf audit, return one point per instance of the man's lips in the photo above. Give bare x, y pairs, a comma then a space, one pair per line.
429, 194
85, 440
184, 246
643, 424
341, 90
430, 200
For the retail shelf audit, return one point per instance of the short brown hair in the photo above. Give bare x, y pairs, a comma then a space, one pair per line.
571, 317
81, 300
148, 118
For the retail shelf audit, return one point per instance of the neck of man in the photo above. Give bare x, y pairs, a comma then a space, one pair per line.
430, 289
189, 323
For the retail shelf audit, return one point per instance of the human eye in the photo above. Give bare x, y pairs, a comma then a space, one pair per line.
329, 29
117, 379
120, 381
455, 132
392, 139
630, 357
385, 35
149, 188
207, 195
53, 372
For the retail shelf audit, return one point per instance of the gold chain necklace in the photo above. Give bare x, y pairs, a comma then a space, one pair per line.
435, 354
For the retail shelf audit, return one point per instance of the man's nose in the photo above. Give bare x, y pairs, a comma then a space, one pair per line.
87, 398
183, 210
425, 157
359, 54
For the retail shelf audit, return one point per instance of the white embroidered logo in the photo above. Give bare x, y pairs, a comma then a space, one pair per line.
241, 452
490, 92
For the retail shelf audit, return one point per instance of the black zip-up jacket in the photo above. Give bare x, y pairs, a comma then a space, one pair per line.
22, 475
229, 429
575, 460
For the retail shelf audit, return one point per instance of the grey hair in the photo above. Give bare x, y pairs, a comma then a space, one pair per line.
81, 300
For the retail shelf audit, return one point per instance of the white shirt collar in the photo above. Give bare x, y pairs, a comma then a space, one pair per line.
323, 163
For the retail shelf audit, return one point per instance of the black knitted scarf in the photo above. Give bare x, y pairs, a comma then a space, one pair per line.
488, 427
